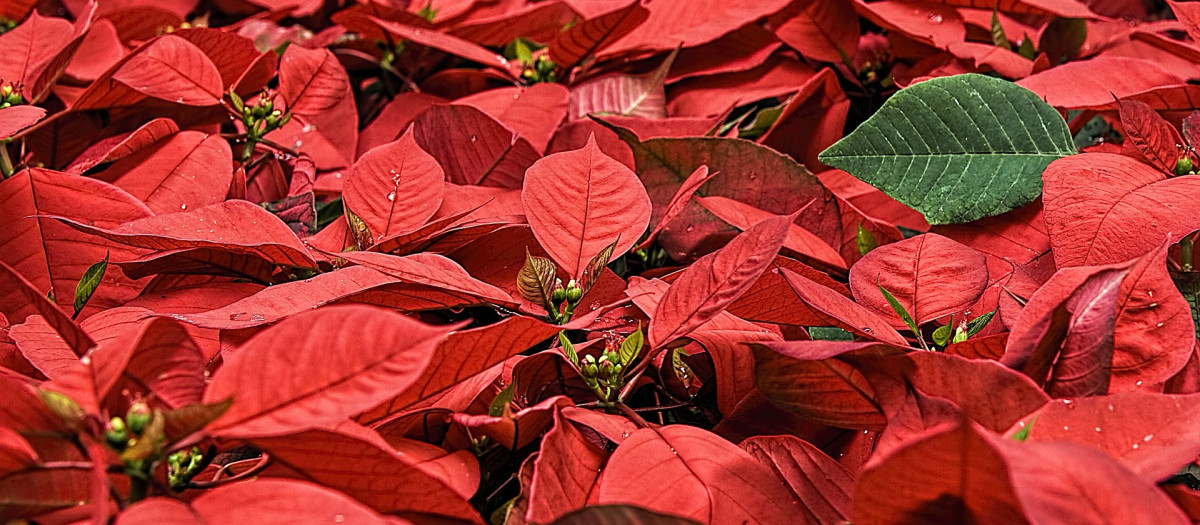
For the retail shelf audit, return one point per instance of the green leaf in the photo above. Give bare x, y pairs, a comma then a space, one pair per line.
1023, 434
568, 348
88, 284
500, 403
956, 148
979, 323
942, 334
1026, 48
900, 311
865, 240
631, 346
998, 37
829, 333
522, 51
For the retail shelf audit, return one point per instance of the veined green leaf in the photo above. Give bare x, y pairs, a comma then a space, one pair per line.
956, 148
631, 346
88, 284
899, 308
568, 348
1023, 434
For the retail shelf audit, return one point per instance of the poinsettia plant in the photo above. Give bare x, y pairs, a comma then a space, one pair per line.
576, 261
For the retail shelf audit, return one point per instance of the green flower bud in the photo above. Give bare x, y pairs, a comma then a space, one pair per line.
137, 417
116, 434
559, 295
1183, 166
574, 292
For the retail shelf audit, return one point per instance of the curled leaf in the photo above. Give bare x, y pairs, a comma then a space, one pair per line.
535, 281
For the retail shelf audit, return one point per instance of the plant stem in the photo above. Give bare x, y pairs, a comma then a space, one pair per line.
6, 165
632, 415
1185, 253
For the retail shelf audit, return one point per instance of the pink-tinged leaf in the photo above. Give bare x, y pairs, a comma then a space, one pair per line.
717, 94
1152, 434
54, 257
123, 145
342, 360
324, 122
682, 196
745, 172
724, 338
931, 276
432, 270
21, 299
1153, 136
565, 473
803, 242
404, 478
836, 309
168, 68
41, 47
743, 50
825, 31
714, 281
1063, 338
579, 202
927, 23
589, 37
820, 484
394, 189
807, 379
472, 147
700, 476
187, 170
1103, 208
950, 476
538, 22
465, 353
265, 501
447, 43
16, 118
688, 23
234, 55
534, 112
641, 95
216, 227
813, 120
1153, 333
1097, 82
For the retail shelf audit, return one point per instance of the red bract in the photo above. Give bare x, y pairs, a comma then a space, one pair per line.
591, 262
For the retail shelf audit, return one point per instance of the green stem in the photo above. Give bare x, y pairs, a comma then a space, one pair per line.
6, 165
1185, 253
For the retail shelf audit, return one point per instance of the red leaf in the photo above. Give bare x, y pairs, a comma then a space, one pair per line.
565, 473
311, 81
745, 49
589, 37
688, 23
16, 118
473, 148
324, 122
1153, 333
215, 228
682, 196
394, 189
123, 145
265, 501
1064, 336
619, 515
156, 359
799, 240
21, 299
717, 94
714, 281
1152, 135
1097, 82
534, 112
167, 68
825, 31
837, 310
579, 202
813, 120
40, 48
432, 270
332, 373
54, 257
695, 478
447, 43
15, 453
1018, 235
971, 384
186, 170
514, 430
1151, 434
771, 300
1103, 208
408, 479
622, 94
931, 276
820, 484
927, 23
394, 119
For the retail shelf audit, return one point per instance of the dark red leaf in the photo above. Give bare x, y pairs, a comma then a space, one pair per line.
1154, 137
473, 148
589, 37
835, 309
820, 484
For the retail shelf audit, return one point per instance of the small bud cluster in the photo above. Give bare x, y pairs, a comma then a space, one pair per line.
10, 96
259, 119
542, 69
124, 433
570, 295
604, 374
182, 466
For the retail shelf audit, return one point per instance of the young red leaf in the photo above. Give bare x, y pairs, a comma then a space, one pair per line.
167, 68
394, 189
186, 170
692, 469
1103, 208
332, 374
837, 310
432, 270
710, 284
825, 31
565, 473
589, 37
324, 123
578, 202
798, 239
813, 119
1064, 336
1153, 333
265, 501
20, 299
123, 145
534, 112
641, 95
1153, 136
931, 277
820, 484
682, 196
